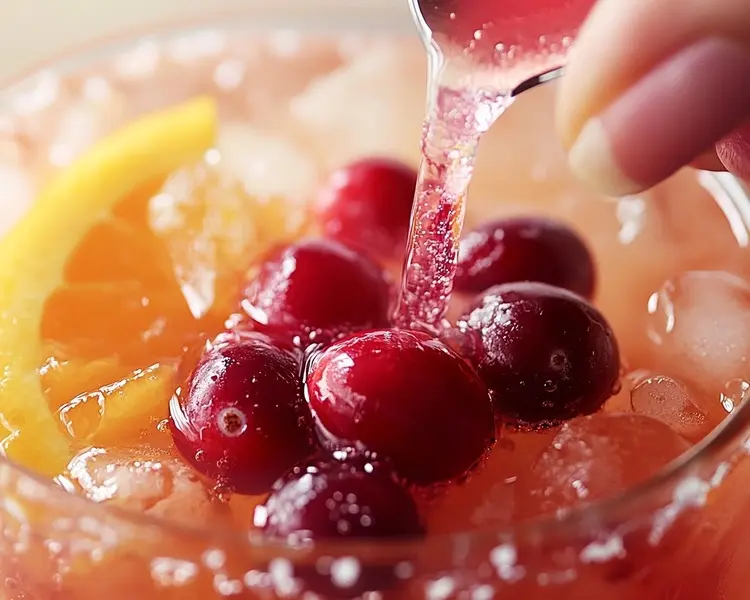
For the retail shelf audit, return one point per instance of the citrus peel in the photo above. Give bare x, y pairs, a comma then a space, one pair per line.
34, 254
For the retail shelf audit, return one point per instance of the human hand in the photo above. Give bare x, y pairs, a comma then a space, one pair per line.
654, 85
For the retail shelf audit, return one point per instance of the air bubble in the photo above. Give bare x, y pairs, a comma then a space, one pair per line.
82, 416
214, 559
345, 572
440, 589
171, 572
734, 394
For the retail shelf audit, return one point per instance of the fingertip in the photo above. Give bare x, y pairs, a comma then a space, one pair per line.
592, 160
708, 161
566, 126
592, 77
734, 152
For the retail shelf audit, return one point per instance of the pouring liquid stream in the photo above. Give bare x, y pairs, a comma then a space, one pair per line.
477, 57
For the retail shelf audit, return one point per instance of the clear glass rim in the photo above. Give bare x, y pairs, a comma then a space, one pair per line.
284, 15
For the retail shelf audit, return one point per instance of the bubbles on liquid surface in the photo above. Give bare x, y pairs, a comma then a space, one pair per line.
142, 481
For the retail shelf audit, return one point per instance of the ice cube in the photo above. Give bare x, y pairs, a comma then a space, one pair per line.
672, 402
214, 228
18, 192
152, 77
596, 457
266, 164
371, 106
699, 331
89, 115
196, 230
142, 481
620, 401
487, 498
17, 180
272, 73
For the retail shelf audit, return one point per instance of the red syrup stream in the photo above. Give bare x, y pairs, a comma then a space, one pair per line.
450, 138
476, 57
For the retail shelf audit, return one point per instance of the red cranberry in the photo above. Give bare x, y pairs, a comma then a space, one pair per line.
241, 418
547, 354
317, 290
357, 497
368, 203
350, 497
406, 396
524, 249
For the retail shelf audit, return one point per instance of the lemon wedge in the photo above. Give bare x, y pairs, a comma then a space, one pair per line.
33, 257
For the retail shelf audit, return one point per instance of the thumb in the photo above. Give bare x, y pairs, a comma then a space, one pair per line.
650, 86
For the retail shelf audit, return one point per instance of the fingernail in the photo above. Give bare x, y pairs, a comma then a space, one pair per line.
665, 120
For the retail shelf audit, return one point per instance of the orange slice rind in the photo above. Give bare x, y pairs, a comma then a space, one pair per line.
34, 254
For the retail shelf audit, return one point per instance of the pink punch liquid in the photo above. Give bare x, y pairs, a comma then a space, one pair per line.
488, 28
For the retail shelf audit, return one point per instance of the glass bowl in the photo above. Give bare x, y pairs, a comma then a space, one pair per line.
679, 536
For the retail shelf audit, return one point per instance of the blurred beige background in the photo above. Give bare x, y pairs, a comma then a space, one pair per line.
32, 30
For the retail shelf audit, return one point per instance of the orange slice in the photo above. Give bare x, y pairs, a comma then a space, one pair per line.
159, 274
34, 255
121, 412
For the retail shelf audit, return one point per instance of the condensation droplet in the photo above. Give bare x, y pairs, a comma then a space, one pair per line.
661, 312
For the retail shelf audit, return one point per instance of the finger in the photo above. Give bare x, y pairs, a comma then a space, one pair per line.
650, 86
734, 152
708, 161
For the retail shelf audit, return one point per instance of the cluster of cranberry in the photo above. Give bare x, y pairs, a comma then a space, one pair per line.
317, 400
